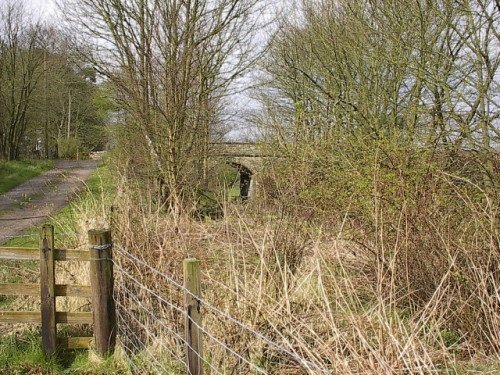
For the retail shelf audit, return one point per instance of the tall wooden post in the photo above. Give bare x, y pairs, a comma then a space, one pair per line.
192, 283
47, 289
101, 282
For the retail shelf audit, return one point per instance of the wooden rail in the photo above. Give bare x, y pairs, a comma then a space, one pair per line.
25, 253
103, 314
34, 290
36, 317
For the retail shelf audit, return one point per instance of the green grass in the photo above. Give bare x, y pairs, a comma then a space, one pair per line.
94, 202
14, 173
22, 354
233, 192
29, 239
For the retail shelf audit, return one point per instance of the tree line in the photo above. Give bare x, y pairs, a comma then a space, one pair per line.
172, 64
50, 101
413, 74
385, 115
423, 72
353, 89
160, 72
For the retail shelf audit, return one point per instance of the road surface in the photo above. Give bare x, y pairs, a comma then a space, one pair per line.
34, 201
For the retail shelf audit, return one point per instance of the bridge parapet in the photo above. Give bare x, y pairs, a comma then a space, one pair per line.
236, 149
246, 157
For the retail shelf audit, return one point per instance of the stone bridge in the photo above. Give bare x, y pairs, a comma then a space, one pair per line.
247, 158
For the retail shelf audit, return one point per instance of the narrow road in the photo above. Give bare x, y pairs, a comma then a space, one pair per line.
34, 201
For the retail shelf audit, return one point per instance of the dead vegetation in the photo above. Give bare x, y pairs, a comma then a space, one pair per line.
404, 280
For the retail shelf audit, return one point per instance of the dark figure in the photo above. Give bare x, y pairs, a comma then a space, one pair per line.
245, 179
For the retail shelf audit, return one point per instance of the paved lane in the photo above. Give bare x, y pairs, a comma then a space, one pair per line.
34, 201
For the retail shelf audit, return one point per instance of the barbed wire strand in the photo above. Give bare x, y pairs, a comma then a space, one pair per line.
161, 344
149, 290
152, 361
162, 324
159, 321
130, 349
142, 349
127, 357
255, 367
281, 348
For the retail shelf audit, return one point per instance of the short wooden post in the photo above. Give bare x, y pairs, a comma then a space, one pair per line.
47, 289
192, 283
101, 283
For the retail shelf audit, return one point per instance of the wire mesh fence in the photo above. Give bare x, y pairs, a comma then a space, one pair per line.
151, 318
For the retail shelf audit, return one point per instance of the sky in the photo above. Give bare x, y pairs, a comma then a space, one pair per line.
44, 8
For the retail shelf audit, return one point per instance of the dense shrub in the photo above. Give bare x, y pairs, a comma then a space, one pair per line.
428, 218
72, 148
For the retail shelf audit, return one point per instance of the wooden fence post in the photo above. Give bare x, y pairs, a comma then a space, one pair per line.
192, 283
47, 289
101, 282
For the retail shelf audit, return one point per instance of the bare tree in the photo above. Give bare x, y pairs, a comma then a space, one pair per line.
420, 72
21, 66
172, 62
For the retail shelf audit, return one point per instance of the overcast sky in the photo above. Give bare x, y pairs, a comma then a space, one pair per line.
43, 8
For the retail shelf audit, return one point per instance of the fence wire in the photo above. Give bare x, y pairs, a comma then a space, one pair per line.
151, 325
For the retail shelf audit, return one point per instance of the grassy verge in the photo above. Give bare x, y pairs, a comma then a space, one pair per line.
21, 349
14, 173
22, 354
92, 204
90, 210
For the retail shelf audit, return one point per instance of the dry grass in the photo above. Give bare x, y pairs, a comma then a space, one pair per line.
417, 293
341, 304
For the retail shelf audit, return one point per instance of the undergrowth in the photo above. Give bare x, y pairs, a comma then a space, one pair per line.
396, 272
386, 263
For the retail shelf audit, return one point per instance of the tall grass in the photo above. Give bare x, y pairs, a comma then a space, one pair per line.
396, 272
387, 263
